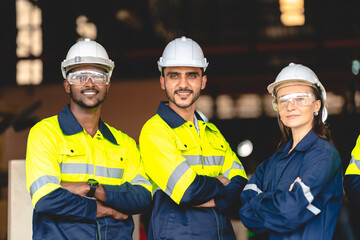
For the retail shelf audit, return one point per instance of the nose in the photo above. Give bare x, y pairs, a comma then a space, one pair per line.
183, 81
89, 82
290, 104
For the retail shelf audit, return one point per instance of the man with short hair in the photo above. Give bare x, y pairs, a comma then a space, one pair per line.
196, 175
85, 177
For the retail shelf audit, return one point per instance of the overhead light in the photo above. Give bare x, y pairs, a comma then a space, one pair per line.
292, 12
245, 148
355, 67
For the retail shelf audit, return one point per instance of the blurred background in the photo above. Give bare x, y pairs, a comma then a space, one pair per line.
247, 43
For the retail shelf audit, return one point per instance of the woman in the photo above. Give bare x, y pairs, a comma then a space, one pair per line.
297, 192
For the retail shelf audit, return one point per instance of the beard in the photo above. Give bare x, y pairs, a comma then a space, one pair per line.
82, 104
171, 97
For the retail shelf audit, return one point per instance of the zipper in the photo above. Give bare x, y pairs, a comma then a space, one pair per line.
217, 224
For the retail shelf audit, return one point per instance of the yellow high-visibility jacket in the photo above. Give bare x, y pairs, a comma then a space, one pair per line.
352, 176
59, 150
183, 162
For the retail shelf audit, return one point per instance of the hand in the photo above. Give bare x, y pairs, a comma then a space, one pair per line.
210, 203
292, 185
105, 211
79, 188
223, 180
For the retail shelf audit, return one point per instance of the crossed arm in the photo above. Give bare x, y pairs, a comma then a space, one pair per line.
82, 188
211, 202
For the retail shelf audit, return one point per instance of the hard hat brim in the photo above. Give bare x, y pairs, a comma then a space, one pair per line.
274, 87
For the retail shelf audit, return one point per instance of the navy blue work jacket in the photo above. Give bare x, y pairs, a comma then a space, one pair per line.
310, 210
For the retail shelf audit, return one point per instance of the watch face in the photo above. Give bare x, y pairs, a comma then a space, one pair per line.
93, 182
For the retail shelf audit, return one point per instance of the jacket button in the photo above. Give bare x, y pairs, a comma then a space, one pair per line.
71, 150
185, 145
190, 125
222, 146
121, 159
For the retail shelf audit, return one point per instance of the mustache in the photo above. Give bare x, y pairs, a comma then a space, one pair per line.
183, 90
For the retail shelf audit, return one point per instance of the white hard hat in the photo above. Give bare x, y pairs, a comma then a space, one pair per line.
295, 74
183, 52
87, 52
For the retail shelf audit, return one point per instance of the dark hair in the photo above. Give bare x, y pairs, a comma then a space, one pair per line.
319, 127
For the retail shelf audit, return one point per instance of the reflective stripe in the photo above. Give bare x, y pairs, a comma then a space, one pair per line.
235, 165
253, 187
310, 198
155, 190
109, 172
214, 160
42, 181
84, 168
175, 176
140, 180
313, 209
76, 168
208, 160
357, 162
193, 159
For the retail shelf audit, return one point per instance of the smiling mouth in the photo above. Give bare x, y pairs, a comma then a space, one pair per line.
183, 93
89, 92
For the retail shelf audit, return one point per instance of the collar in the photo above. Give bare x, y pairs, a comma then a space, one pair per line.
303, 145
171, 117
70, 125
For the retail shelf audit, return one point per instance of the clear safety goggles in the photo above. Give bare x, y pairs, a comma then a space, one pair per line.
82, 76
297, 99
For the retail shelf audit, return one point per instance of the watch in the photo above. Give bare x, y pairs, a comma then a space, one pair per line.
93, 185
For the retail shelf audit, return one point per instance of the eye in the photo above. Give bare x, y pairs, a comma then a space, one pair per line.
283, 101
80, 78
173, 76
193, 75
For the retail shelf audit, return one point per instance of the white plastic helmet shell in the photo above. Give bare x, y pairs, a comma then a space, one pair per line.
87, 52
182, 52
298, 73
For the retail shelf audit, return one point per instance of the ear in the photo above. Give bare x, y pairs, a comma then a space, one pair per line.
317, 105
108, 87
162, 82
203, 82
66, 86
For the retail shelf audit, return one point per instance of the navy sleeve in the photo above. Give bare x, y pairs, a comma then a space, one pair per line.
321, 182
229, 203
202, 189
127, 198
252, 189
352, 188
61, 202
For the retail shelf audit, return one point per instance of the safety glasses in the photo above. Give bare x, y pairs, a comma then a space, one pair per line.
81, 77
297, 99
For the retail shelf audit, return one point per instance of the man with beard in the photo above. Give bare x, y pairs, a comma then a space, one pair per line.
196, 176
85, 177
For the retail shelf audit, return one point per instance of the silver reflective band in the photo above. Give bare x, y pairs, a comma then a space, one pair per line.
175, 177
109, 172
235, 165
357, 162
206, 160
42, 181
82, 76
84, 168
309, 197
253, 187
297, 99
140, 180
